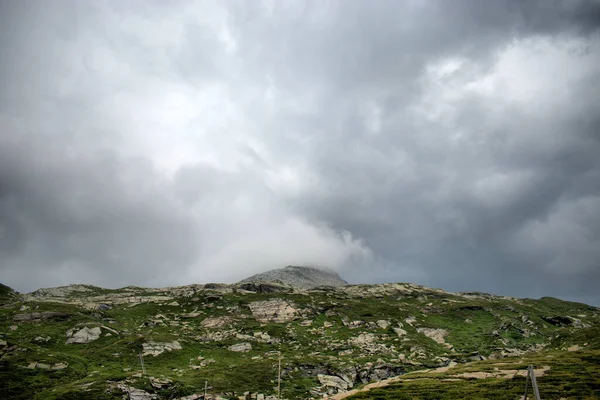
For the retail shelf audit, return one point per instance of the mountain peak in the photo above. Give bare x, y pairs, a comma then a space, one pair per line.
299, 277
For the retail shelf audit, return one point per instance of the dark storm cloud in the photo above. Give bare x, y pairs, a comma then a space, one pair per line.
107, 217
454, 144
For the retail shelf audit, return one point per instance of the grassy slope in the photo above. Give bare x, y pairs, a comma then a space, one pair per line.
572, 375
114, 358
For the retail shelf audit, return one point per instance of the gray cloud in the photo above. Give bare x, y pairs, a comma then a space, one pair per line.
454, 144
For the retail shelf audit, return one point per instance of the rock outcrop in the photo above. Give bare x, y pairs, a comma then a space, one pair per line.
156, 348
275, 310
334, 382
241, 347
39, 316
83, 335
438, 335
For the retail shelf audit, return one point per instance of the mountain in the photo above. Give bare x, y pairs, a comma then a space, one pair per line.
82, 341
298, 277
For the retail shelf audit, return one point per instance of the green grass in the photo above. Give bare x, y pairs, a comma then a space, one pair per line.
573, 375
303, 348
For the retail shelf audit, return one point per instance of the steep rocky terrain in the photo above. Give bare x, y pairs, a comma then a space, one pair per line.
298, 277
82, 341
6, 294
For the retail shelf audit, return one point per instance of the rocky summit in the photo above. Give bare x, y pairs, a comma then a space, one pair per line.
396, 340
298, 277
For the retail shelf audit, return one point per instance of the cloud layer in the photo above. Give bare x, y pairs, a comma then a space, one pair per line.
454, 144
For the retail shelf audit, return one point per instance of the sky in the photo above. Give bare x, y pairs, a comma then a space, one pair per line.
453, 144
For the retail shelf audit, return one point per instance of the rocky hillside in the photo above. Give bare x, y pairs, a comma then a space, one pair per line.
298, 277
7, 294
87, 342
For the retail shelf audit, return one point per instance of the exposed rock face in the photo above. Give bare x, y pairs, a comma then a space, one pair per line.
334, 382
52, 367
241, 347
7, 294
62, 291
275, 310
158, 383
156, 348
298, 277
437, 335
362, 339
136, 394
338, 339
190, 315
39, 316
264, 287
216, 322
84, 335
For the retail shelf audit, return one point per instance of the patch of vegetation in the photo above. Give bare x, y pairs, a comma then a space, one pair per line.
322, 338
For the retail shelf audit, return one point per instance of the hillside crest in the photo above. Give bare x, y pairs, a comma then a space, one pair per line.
298, 277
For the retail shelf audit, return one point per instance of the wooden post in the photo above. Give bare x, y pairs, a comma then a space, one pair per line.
205, 388
526, 384
141, 357
536, 392
279, 378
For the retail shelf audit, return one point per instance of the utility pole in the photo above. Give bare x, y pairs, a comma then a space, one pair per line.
536, 392
531, 374
141, 357
279, 378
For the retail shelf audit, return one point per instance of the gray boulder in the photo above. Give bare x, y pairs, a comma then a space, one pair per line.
84, 335
241, 347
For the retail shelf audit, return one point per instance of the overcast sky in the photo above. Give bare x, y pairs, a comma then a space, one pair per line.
454, 144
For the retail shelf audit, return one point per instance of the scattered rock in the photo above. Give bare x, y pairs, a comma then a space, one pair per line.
216, 322
241, 347
41, 339
158, 383
383, 324
399, 331
191, 397
58, 366
354, 324
190, 315
136, 394
53, 367
84, 335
